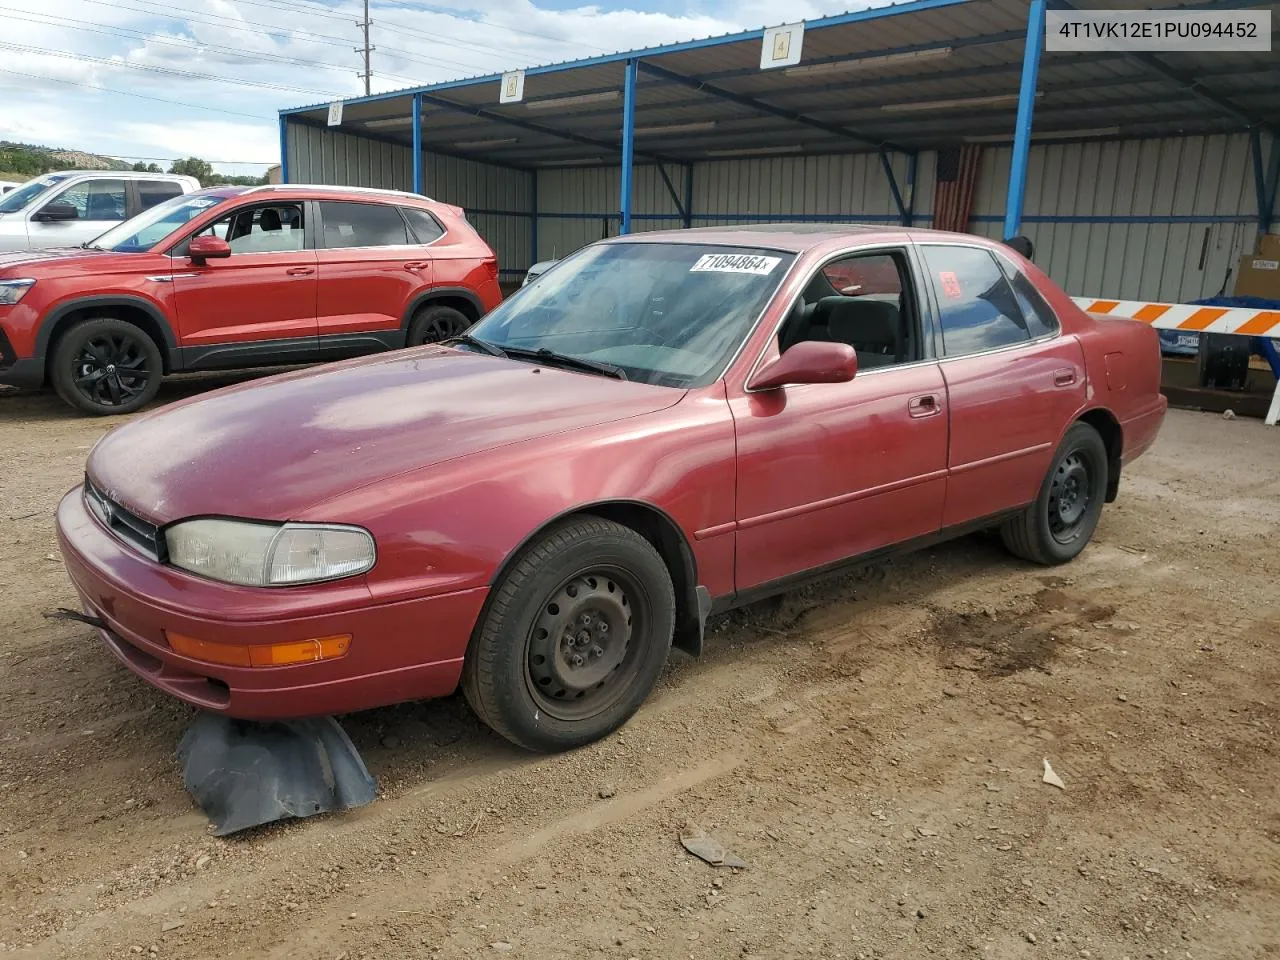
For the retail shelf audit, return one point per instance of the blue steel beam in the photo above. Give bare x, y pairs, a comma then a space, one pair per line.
284, 148
1272, 187
893, 185
761, 106
671, 189
1259, 177
628, 142
688, 193
419, 184
1022, 127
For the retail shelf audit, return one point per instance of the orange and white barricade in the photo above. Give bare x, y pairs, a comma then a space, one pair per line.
1195, 319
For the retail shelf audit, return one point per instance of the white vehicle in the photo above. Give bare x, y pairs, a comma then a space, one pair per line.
72, 207
7, 185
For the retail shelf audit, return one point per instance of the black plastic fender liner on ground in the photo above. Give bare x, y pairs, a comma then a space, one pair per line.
244, 774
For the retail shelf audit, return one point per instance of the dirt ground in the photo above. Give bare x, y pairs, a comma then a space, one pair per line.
872, 747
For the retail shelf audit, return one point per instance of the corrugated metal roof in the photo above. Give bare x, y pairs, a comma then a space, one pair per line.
713, 92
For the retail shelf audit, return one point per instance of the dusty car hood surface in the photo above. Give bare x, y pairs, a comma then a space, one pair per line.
270, 449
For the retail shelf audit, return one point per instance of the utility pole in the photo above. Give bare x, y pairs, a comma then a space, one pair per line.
366, 49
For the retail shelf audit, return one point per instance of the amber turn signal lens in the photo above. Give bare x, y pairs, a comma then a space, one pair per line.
265, 655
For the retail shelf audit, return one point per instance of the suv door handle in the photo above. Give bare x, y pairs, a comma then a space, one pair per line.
300, 271
1064, 378
925, 406
416, 265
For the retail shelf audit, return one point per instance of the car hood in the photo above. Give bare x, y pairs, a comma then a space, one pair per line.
16, 258
271, 449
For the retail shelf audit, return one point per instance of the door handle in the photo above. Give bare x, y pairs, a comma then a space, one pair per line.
300, 271
925, 406
1064, 378
416, 265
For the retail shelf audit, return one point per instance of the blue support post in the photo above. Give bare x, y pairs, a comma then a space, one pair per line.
284, 149
628, 141
912, 163
1022, 128
688, 195
533, 220
419, 187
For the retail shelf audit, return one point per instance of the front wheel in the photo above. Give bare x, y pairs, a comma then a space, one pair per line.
436, 322
106, 366
574, 637
1057, 526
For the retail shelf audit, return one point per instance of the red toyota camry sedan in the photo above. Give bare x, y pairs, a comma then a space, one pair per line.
662, 427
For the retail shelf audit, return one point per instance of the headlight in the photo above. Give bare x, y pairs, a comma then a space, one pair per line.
11, 291
269, 554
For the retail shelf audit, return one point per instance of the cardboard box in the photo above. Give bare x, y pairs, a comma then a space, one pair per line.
1258, 277
1269, 246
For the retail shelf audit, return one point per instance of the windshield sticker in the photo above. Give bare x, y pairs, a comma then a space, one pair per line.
951, 285
201, 203
735, 263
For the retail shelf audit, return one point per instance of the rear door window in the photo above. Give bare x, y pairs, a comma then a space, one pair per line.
424, 225
976, 305
362, 225
96, 199
151, 192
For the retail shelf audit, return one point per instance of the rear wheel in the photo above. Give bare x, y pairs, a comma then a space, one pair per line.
436, 322
574, 638
106, 366
1057, 526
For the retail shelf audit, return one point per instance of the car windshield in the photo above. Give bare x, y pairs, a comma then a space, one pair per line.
150, 227
17, 199
663, 313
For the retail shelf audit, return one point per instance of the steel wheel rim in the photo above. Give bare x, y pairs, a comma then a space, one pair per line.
583, 649
442, 328
1070, 496
111, 369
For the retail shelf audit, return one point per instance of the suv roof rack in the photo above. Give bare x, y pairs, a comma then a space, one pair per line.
342, 188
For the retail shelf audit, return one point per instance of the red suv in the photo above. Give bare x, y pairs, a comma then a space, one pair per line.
239, 277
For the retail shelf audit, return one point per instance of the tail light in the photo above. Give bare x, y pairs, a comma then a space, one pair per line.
491, 268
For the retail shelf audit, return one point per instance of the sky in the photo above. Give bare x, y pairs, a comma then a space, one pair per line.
138, 79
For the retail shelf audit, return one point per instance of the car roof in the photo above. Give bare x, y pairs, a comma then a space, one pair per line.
800, 237
114, 174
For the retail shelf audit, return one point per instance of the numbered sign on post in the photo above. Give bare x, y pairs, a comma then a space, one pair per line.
335, 113
512, 87
782, 46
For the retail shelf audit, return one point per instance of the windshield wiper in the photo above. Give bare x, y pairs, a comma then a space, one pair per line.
565, 360
89, 246
492, 349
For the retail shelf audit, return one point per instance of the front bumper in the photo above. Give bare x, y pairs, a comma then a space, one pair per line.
411, 650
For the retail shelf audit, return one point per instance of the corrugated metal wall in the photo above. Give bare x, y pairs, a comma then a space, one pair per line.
1137, 219
497, 199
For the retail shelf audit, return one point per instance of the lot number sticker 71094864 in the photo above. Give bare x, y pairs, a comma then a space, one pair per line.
735, 263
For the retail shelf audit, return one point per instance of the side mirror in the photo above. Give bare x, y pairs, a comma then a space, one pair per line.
810, 361
56, 211
204, 248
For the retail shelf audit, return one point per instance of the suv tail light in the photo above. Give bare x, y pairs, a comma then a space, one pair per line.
491, 268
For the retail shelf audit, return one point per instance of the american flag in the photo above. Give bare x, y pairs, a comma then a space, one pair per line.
953, 198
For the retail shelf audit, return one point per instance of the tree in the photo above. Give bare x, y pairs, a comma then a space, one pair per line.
193, 167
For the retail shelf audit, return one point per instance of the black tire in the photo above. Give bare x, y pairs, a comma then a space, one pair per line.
106, 366
1057, 526
547, 611
436, 322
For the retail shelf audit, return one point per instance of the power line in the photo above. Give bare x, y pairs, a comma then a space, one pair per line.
168, 71
89, 26
244, 163
236, 23
140, 96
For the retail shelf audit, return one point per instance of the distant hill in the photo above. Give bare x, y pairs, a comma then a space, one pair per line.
30, 160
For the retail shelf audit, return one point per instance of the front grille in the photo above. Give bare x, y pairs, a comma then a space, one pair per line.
128, 526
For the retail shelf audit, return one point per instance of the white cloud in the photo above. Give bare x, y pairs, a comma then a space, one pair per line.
305, 47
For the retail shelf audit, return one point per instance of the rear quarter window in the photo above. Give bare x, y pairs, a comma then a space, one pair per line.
425, 227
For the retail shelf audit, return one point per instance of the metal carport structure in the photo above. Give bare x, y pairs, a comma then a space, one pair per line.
876, 94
